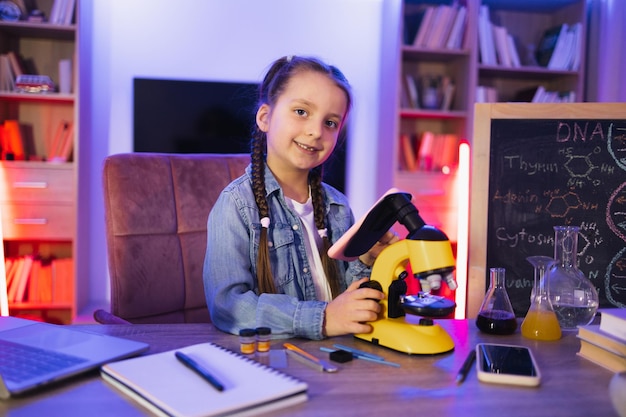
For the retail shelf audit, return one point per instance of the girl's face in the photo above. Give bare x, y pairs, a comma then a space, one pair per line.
303, 125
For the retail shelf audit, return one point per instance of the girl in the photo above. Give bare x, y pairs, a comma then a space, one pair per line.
268, 234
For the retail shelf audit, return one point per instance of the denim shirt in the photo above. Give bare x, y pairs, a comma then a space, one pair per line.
230, 263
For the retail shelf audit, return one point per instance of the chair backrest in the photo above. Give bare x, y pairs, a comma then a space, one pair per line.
156, 209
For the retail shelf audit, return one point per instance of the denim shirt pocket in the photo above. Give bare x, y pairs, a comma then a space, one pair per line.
281, 241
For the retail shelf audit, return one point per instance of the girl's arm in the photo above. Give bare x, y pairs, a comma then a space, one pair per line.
229, 281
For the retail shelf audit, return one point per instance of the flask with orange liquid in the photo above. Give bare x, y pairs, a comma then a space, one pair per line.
540, 322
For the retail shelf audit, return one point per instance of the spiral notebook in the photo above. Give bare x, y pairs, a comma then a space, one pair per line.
162, 384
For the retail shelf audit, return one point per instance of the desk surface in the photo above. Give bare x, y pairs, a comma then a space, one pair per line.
423, 385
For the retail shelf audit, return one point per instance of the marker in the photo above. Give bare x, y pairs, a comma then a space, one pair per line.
197, 368
467, 366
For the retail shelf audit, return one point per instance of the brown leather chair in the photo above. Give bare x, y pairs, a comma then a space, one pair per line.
156, 208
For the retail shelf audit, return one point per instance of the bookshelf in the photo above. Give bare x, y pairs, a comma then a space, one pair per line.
463, 65
38, 193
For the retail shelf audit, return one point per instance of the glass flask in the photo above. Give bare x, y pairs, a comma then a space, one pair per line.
496, 314
573, 296
540, 322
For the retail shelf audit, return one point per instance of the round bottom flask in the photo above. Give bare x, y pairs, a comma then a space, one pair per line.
573, 296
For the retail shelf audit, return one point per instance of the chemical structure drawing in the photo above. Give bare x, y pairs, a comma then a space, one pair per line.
560, 205
579, 168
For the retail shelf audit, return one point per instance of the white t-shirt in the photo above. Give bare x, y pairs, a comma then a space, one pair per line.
305, 212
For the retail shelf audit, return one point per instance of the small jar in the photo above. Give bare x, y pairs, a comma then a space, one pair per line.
263, 336
247, 341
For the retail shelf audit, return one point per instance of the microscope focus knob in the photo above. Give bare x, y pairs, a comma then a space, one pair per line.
372, 284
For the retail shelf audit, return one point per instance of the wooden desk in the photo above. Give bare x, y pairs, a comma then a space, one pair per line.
423, 385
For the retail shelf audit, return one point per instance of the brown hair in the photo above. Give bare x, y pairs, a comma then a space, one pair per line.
271, 88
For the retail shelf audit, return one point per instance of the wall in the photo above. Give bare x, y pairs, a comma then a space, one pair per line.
221, 40
606, 58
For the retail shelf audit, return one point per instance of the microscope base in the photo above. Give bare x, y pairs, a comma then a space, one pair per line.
419, 339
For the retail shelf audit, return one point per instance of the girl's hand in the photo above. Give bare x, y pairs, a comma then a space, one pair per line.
352, 309
370, 256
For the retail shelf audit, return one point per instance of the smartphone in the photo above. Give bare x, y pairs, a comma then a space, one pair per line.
506, 364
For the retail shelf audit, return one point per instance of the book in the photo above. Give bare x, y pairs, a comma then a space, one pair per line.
44, 282
513, 53
67, 144
486, 94
16, 65
613, 321
68, 13
425, 151
593, 334
455, 39
59, 11
442, 23
58, 147
610, 360
577, 29
22, 284
59, 279
450, 151
407, 153
557, 57
424, 28
548, 44
411, 89
500, 35
163, 385
539, 96
10, 266
485, 37
14, 140
33, 282
16, 289
7, 78
447, 91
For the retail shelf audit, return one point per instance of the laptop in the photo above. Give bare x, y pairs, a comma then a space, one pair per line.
35, 354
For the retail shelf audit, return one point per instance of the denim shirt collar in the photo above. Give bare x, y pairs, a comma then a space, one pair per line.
272, 186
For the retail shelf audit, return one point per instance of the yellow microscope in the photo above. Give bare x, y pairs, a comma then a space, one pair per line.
427, 251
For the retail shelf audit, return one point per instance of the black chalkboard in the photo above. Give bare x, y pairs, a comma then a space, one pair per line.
551, 172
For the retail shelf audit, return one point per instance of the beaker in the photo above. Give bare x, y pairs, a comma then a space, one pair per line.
573, 296
496, 314
540, 322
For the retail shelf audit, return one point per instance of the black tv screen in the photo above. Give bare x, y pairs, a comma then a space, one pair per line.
180, 116
174, 116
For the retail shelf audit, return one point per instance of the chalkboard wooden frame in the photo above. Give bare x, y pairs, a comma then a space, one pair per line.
479, 192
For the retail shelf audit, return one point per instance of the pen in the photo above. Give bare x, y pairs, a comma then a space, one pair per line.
467, 366
197, 368
309, 359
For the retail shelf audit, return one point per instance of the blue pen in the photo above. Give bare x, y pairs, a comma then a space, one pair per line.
197, 368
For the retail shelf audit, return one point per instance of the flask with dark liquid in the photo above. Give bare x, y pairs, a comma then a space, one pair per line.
496, 314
